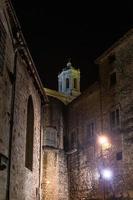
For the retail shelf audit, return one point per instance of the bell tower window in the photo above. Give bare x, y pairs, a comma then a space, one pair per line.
60, 87
67, 83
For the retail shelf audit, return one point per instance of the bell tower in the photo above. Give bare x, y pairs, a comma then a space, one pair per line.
69, 81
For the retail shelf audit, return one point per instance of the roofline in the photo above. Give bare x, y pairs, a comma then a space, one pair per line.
117, 43
92, 88
59, 96
31, 62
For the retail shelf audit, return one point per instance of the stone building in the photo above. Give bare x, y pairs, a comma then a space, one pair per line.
49, 140
104, 109
22, 99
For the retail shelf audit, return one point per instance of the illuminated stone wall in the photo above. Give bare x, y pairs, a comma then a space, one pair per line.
71, 160
21, 177
84, 157
5, 102
24, 183
114, 96
54, 160
54, 179
82, 163
50, 175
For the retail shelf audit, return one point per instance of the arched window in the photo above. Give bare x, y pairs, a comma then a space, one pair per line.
60, 87
67, 82
75, 83
29, 135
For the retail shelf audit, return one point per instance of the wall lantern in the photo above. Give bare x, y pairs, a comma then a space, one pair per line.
3, 161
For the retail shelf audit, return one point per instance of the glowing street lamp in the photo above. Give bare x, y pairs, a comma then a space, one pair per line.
104, 142
107, 174
102, 139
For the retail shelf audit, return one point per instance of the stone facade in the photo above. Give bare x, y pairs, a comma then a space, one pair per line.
21, 177
5, 102
54, 159
49, 147
118, 95
18, 81
109, 108
83, 113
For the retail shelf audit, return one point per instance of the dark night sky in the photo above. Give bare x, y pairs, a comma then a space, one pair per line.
57, 31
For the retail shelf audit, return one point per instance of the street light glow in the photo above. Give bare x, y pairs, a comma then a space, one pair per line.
103, 139
47, 182
107, 174
104, 142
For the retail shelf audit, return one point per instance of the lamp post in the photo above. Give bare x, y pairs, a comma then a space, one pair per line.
106, 176
105, 173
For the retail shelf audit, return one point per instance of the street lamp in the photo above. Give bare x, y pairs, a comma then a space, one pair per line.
102, 139
106, 173
104, 142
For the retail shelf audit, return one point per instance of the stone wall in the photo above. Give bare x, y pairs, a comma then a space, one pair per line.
21, 177
119, 95
50, 185
24, 183
54, 161
72, 160
114, 97
82, 165
5, 102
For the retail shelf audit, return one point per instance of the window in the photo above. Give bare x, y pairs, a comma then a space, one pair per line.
2, 46
115, 118
60, 86
75, 83
112, 79
119, 156
29, 135
67, 83
90, 130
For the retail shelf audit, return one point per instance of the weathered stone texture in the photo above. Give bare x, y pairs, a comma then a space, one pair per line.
50, 175
21, 177
120, 95
82, 164
55, 175
5, 104
63, 176
24, 184
54, 118
96, 106
54, 179
72, 159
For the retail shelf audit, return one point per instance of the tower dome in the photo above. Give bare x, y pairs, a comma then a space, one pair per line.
69, 81
69, 64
